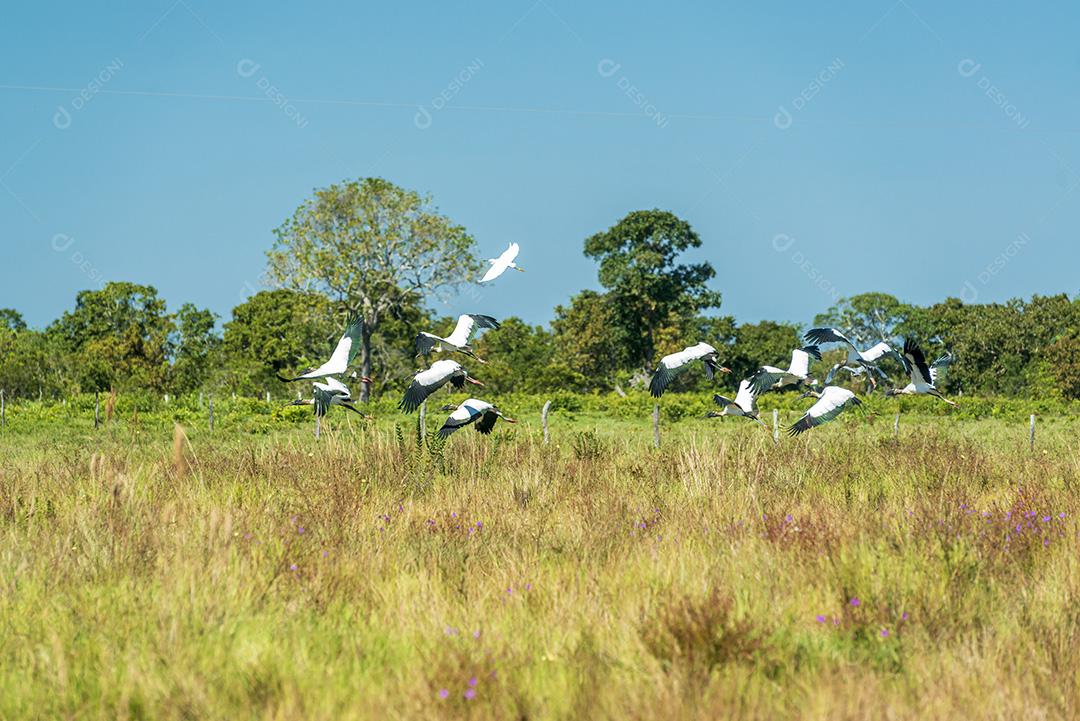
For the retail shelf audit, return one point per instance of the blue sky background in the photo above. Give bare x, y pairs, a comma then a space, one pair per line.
939, 135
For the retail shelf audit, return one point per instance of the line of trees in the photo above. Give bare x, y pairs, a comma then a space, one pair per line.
373, 248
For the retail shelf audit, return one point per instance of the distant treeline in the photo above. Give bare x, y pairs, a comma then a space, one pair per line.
124, 337
371, 248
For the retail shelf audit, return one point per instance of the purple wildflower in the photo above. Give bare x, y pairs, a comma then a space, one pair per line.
820, 618
855, 602
293, 567
884, 633
470, 693
473, 681
476, 633
444, 693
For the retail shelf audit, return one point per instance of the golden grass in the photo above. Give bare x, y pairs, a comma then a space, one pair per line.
358, 577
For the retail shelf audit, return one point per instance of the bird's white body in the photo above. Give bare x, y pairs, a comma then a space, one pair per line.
832, 401
744, 405
502, 263
674, 363
923, 378
428, 381
770, 377
344, 353
458, 340
476, 411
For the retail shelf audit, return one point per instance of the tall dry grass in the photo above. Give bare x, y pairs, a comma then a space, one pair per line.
845, 575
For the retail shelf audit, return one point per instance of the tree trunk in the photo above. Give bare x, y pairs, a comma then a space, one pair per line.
365, 362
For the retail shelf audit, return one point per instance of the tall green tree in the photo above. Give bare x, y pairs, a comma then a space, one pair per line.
590, 340
118, 336
647, 285
866, 318
373, 248
195, 343
274, 332
11, 319
758, 344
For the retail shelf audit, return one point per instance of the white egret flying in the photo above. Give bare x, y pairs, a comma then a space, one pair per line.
500, 264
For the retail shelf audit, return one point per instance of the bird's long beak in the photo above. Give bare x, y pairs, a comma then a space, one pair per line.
365, 379
518, 267
722, 369
473, 381
508, 419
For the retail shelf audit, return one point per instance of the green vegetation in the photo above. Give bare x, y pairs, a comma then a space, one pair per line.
148, 573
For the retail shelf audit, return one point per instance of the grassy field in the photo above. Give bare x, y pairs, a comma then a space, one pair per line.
147, 573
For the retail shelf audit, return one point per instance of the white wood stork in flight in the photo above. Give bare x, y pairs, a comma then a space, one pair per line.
923, 377
745, 404
341, 358
331, 393
500, 264
428, 381
672, 365
459, 339
832, 401
482, 413
770, 378
868, 358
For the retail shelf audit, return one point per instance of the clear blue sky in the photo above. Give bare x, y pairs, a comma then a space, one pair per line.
920, 144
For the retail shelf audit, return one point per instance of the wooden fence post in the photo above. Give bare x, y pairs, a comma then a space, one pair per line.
318, 426
97, 409
423, 419
896, 426
543, 419
1031, 434
656, 425
775, 427
267, 396
3, 411
211, 414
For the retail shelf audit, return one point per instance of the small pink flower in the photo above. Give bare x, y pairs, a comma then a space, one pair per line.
444, 693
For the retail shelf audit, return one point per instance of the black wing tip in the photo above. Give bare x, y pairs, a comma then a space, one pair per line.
283, 379
813, 351
485, 321
798, 428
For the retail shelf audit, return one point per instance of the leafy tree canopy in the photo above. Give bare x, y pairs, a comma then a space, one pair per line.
373, 248
647, 285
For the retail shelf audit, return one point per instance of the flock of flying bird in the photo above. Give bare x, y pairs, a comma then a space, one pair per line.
831, 400
329, 390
